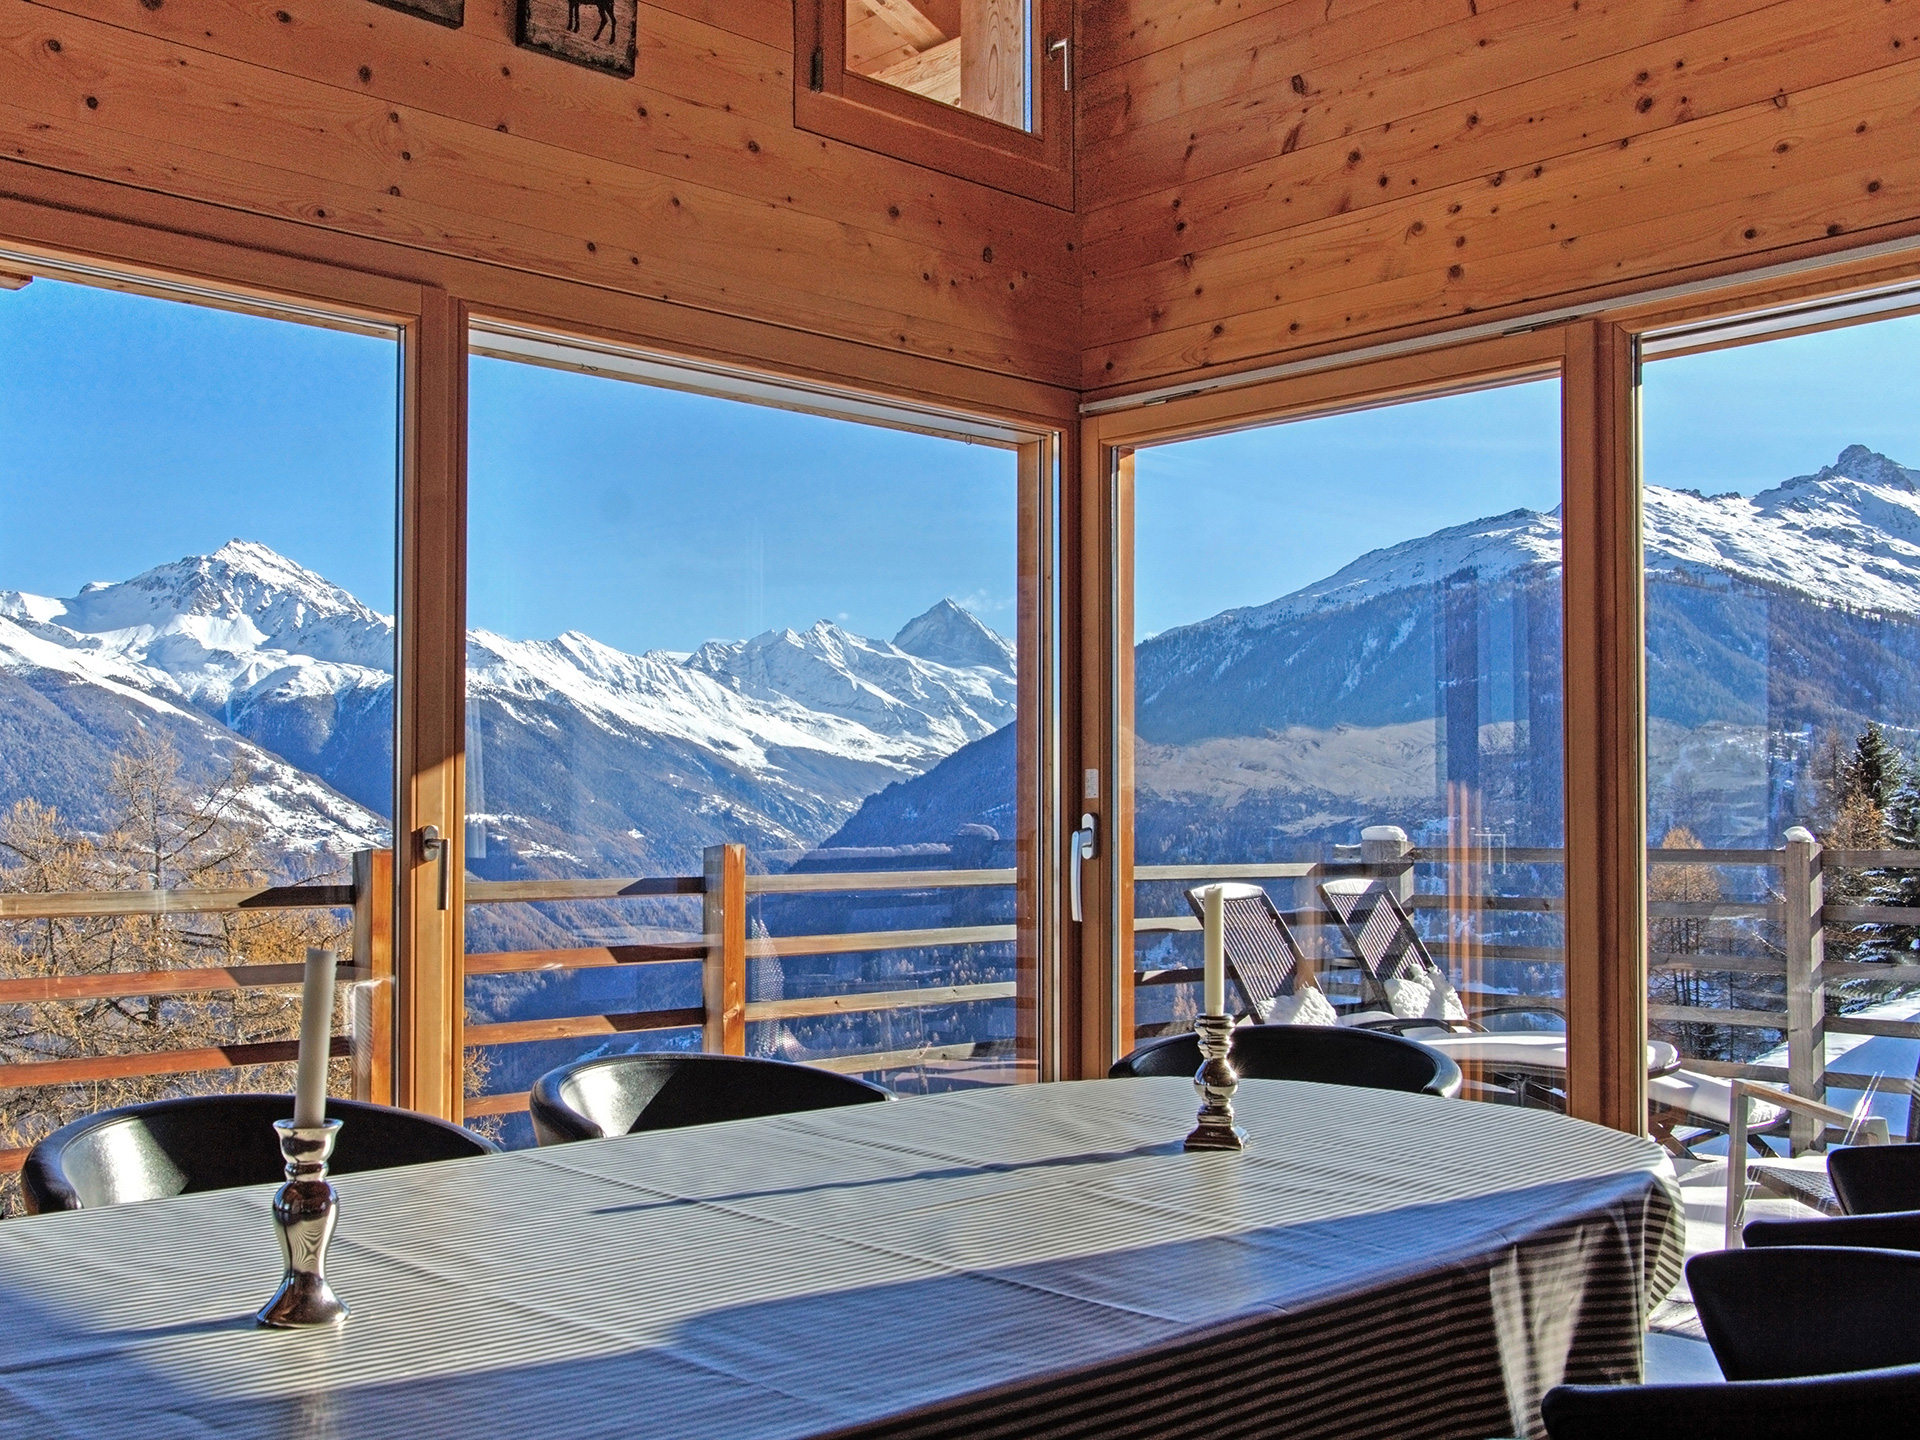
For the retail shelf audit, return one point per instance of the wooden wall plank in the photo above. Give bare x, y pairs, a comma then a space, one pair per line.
1826, 162
1348, 164
262, 140
147, 232
1333, 80
705, 108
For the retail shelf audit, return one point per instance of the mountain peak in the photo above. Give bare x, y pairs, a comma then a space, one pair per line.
1864, 467
950, 635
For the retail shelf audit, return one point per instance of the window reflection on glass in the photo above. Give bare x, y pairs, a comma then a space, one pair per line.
973, 54
1782, 534
1348, 684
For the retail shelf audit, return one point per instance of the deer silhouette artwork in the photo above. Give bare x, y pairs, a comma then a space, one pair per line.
607, 22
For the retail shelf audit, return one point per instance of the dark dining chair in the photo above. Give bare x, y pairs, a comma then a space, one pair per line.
623, 1094
1331, 1056
1897, 1231
1875, 1179
1824, 1407
1777, 1313
212, 1142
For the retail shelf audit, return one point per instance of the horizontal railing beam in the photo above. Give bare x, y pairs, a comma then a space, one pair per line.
514, 962
574, 1027
1871, 915
858, 943
1866, 1025
33, 1073
133, 984
476, 1105
838, 882
806, 1008
1707, 1015
894, 1059
118, 904
1870, 859
619, 887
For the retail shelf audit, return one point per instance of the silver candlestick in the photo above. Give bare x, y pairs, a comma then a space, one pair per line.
1215, 1081
305, 1210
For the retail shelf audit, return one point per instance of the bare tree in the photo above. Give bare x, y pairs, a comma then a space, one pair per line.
166, 832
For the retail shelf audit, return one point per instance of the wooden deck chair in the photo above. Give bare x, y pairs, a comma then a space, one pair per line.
1264, 962
1399, 971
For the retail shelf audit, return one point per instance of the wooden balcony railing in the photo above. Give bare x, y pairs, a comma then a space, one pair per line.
1799, 911
723, 948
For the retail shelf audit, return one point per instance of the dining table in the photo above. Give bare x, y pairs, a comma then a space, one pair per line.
1035, 1260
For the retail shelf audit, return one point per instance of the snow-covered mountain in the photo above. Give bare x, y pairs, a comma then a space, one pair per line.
1769, 618
573, 743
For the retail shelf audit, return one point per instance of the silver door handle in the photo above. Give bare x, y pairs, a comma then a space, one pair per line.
433, 848
1063, 47
1084, 846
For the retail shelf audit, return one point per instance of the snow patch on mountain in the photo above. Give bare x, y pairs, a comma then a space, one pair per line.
1847, 535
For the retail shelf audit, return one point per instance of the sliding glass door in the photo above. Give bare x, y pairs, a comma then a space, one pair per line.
1342, 687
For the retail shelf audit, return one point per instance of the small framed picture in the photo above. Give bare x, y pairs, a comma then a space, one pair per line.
450, 13
599, 33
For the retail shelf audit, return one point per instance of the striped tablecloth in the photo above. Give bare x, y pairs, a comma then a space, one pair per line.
1031, 1261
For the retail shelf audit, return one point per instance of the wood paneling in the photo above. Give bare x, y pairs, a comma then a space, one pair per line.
1304, 176
689, 184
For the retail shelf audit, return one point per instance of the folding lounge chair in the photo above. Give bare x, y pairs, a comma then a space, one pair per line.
1265, 964
1401, 975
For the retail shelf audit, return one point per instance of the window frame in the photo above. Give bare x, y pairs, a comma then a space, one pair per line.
832, 101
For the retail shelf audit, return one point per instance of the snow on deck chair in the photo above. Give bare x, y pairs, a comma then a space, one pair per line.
1264, 961
1394, 959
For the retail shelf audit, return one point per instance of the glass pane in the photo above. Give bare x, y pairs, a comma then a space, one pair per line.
196, 679
699, 623
1348, 677
1783, 655
976, 54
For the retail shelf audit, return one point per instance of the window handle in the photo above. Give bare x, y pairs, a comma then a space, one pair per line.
433, 849
1085, 844
1063, 47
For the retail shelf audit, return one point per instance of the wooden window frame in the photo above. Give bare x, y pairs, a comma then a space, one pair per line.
1102, 950
873, 115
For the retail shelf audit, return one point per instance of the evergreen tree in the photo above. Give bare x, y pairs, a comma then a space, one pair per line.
1875, 770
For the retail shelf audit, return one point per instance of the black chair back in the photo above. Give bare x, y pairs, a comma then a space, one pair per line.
1900, 1231
212, 1142
623, 1094
1332, 1056
1868, 1403
1772, 1314
1876, 1179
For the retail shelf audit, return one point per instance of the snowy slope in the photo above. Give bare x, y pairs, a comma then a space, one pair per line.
1848, 534
264, 648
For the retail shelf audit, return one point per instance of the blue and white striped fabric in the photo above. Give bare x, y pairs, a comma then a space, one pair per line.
1034, 1261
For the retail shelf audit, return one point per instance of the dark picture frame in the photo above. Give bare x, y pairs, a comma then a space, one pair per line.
450, 13
600, 34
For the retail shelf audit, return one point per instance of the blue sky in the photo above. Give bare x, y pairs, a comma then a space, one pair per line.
136, 431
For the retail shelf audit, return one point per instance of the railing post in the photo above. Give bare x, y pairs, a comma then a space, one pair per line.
370, 1007
724, 921
1803, 891
1386, 848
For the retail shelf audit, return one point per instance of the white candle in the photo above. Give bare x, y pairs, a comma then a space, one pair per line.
1214, 950
316, 1039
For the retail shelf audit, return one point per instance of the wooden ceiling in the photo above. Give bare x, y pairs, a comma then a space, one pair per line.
1255, 177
